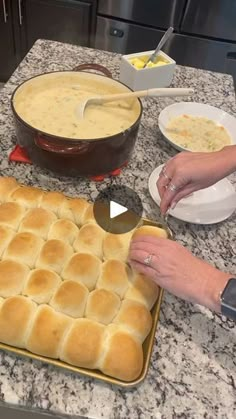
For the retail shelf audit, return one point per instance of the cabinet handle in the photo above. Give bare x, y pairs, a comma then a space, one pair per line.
4, 11
20, 12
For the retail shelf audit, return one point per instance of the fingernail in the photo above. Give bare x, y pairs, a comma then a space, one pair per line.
173, 205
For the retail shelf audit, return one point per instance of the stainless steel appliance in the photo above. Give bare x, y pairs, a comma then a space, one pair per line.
205, 30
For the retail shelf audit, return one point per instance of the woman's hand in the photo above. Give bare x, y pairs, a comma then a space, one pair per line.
188, 172
175, 269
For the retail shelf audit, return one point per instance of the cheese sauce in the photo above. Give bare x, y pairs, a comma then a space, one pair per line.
50, 106
197, 133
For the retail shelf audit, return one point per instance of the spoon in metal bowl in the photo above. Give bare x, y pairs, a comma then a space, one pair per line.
161, 92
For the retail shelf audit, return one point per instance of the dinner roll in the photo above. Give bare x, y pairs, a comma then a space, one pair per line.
27, 196
38, 221
12, 277
52, 201
114, 277
53, 255
84, 268
143, 290
7, 186
116, 246
74, 209
150, 231
16, 314
47, 332
11, 214
136, 317
82, 345
102, 306
24, 247
64, 230
41, 284
6, 234
89, 239
70, 298
122, 354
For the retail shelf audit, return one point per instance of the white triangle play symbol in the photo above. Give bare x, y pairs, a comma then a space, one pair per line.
116, 209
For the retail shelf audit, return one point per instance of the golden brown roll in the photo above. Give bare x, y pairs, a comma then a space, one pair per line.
143, 290
6, 234
7, 186
84, 268
116, 246
74, 209
11, 214
41, 284
114, 277
47, 332
89, 239
38, 221
150, 231
88, 216
27, 196
83, 344
12, 277
70, 298
52, 201
54, 255
102, 306
16, 314
24, 247
63, 230
136, 317
122, 354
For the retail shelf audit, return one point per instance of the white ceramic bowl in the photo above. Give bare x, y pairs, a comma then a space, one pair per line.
146, 78
196, 109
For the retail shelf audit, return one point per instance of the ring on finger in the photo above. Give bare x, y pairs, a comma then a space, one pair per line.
172, 187
148, 260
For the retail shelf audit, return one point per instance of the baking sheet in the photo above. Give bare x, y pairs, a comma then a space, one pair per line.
147, 345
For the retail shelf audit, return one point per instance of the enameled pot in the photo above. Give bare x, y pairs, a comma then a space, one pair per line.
76, 157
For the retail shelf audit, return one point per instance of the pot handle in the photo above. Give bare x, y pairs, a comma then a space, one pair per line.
47, 145
92, 66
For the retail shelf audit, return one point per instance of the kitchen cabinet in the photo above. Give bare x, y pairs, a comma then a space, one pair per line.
7, 45
22, 22
61, 20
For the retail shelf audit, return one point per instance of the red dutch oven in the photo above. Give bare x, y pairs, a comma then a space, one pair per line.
77, 157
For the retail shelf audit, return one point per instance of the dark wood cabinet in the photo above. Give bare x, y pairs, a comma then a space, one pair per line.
22, 22
7, 45
60, 20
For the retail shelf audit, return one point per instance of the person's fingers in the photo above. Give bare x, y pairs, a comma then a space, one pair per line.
155, 241
184, 193
165, 178
141, 255
149, 248
174, 187
143, 269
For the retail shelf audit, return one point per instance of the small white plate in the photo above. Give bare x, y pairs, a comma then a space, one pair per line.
202, 207
196, 109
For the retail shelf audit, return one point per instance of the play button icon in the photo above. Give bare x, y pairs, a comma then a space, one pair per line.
118, 209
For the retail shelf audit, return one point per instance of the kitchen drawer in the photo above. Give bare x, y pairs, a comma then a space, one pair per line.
213, 18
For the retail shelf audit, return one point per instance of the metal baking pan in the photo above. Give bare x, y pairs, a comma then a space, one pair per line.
147, 345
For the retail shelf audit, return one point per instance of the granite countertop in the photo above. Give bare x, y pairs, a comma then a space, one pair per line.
193, 367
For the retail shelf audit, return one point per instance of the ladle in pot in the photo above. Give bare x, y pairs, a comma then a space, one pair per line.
99, 100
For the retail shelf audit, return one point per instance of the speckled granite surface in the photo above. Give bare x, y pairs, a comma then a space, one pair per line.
193, 367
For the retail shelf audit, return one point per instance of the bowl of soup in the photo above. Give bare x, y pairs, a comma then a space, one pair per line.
48, 127
192, 126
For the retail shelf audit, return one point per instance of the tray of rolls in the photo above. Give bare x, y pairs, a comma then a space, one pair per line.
67, 294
